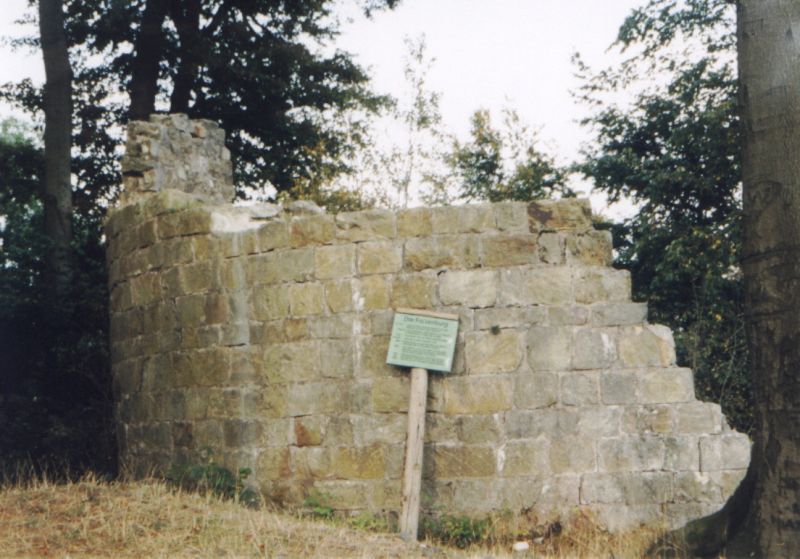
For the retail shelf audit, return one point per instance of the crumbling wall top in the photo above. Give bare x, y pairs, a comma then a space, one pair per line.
174, 152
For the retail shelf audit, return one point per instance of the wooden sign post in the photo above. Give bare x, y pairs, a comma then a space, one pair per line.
421, 340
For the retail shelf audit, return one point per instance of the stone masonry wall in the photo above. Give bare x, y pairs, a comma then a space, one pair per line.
261, 333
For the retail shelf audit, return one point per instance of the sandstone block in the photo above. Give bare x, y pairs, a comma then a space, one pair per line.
365, 225
414, 222
477, 394
487, 352
599, 421
648, 419
204, 367
238, 434
384, 429
336, 358
535, 286
510, 317
662, 386
390, 394
476, 429
527, 458
572, 455
459, 461
508, 250
696, 487
310, 463
631, 454
682, 453
358, 462
191, 221
630, 489
568, 315
286, 265
424, 253
372, 293
699, 418
267, 237
474, 288
315, 397
379, 257
724, 452
549, 349
552, 248
618, 387
191, 311
371, 357
474, 218
598, 284
646, 346
270, 302
306, 299
291, 362
339, 295
337, 326
145, 289
566, 214
311, 230
593, 348
535, 390
578, 389
216, 308
337, 261
592, 248
413, 291
618, 314
511, 216
273, 463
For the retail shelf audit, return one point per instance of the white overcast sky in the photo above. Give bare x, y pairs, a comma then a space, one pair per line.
489, 54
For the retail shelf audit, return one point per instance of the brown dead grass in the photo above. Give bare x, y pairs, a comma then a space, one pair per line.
150, 519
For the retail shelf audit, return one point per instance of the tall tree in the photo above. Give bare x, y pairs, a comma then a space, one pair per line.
673, 148
768, 33
57, 188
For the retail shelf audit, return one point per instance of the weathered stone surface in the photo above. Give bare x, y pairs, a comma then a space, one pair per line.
552, 248
535, 286
311, 230
549, 349
413, 291
449, 462
597, 285
306, 299
487, 352
535, 390
593, 348
567, 214
618, 314
476, 288
511, 317
414, 222
366, 225
660, 386
439, 252
511, 216
618, 387
526, 458
475, 218
336, 261
477, 394
646, 346
631, 454
381, 257
592, 248
509, 250
724, 452
579, 389
372, 293
339, 296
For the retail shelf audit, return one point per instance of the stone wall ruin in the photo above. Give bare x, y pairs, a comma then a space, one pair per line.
261, 333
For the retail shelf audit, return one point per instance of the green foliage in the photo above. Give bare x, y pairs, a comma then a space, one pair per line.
55, 397
674, 151
317, 505
208, 477
369, 522
504, 164
458, 531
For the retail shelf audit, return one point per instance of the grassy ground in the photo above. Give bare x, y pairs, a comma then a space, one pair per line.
150, 519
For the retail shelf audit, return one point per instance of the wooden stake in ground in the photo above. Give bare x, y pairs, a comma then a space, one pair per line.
412, 474
421, 340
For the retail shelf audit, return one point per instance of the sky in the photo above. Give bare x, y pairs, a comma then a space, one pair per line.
488, 54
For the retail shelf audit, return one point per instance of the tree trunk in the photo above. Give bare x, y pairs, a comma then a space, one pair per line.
768, 33
187, 22
57, 188
148, 48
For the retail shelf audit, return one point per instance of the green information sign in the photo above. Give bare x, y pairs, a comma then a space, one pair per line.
423, 339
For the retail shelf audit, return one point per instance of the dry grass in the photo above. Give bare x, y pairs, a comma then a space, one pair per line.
150, 519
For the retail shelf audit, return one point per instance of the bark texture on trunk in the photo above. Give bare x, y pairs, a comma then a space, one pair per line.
186, 17
148, 49
769, 69
57, 188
